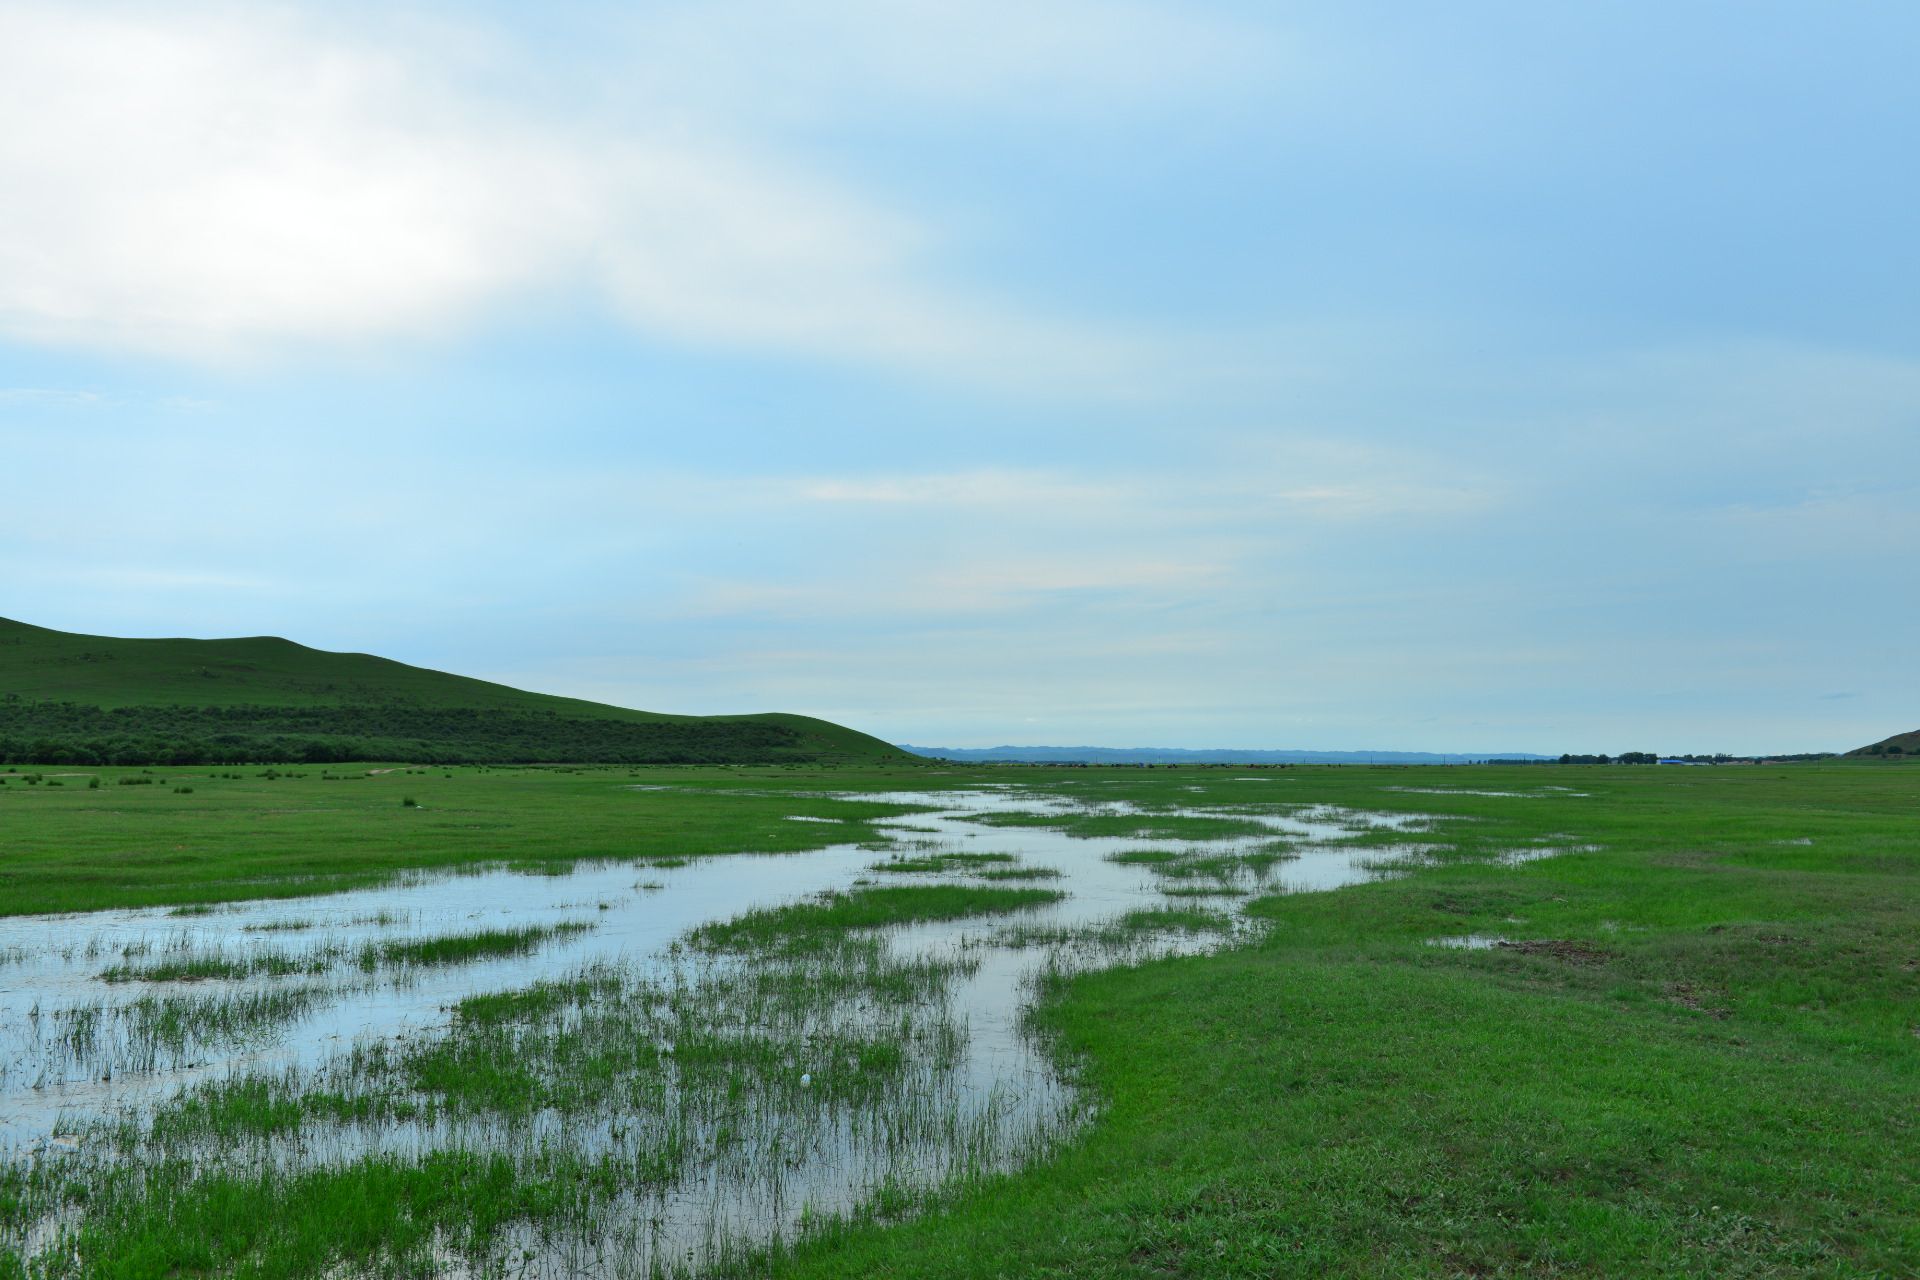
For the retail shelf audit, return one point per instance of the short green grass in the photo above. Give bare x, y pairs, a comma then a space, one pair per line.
271, 833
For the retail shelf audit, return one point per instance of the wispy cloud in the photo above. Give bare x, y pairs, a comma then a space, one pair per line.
991, 488
51, 396
972, 586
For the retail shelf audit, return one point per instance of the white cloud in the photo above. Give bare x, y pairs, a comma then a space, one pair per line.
1291, 479
206, 184
220, 182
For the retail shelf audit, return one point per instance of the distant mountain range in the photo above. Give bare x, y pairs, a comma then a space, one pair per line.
91, 700
1176, 755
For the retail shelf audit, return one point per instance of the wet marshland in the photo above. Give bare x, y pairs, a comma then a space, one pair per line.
631, 1068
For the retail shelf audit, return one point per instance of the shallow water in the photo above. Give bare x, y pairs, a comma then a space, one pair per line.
1468, 941
78, 1052
1542, 793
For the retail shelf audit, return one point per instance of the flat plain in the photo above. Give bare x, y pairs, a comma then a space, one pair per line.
1579, 1021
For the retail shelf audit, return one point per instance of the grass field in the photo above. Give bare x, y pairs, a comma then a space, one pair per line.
245, 833
1698, 1052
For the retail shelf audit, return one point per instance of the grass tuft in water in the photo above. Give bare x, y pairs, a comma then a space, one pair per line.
817, 924
940, 863
463, 948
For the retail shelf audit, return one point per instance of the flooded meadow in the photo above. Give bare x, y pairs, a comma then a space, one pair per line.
623, 1067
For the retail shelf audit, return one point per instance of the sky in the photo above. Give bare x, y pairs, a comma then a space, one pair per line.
1477, 377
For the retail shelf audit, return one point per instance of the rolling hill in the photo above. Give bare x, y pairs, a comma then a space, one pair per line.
67, 698
1899, 745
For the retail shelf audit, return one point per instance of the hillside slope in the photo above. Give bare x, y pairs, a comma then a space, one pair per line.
1900, 744
99, 699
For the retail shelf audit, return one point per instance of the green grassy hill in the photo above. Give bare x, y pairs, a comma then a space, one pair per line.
1900, 745
67, 698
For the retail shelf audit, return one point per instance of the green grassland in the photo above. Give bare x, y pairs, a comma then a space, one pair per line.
1700, 1056
68, 698
252, 833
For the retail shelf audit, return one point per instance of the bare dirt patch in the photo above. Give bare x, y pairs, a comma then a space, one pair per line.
1689, 996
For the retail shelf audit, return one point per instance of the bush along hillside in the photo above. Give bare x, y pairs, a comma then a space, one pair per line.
68, 733
93, 700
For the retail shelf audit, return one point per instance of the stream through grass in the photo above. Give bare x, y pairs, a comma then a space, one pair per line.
630, 1068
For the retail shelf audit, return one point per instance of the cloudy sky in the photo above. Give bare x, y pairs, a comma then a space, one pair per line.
1480, 376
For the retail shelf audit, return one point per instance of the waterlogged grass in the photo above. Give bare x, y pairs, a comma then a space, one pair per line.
1128, 937
137, 1035
1204, 891
1144, 857
199, 1022
465, 948
818, 924
215, 966
722, 1072
383, 1211
105, 1040
980, 866
1705, 1066
1253, 861
184, 969
1132, 826
542, 1000
280, 926
942, 863
1177, 920
604, 1042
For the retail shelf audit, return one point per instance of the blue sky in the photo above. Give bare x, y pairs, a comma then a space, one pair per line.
1467, 377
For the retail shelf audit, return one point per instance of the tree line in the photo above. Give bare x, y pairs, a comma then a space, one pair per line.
77, 734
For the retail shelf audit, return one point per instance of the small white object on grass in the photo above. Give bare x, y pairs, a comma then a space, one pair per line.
806, 1077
